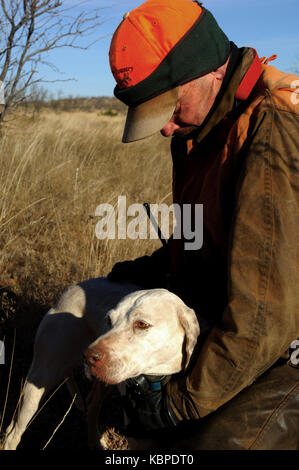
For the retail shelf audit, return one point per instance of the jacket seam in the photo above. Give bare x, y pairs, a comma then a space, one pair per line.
285, 110
264, 266
268, 421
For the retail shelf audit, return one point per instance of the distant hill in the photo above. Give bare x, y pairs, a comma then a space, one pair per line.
105, 104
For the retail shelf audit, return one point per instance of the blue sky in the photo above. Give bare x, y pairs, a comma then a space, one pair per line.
270, 26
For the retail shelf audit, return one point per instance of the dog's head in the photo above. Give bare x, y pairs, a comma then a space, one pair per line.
151, 332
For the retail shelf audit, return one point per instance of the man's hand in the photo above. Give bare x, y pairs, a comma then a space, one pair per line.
148, 271
128, 270
147, 405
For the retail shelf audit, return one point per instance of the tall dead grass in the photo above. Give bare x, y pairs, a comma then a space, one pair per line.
54, 172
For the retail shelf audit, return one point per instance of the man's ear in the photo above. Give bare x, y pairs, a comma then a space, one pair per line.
220, 72
188, 321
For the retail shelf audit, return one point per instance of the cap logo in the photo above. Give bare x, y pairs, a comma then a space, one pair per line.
123, 81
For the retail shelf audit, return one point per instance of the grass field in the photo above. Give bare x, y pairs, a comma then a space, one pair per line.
55, 169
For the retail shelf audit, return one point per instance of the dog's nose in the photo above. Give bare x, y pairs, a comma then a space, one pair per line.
94, 356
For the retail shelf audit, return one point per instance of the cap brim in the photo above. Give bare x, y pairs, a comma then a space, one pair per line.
150, 117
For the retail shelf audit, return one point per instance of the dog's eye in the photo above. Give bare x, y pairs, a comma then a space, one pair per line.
109, 322
141, 325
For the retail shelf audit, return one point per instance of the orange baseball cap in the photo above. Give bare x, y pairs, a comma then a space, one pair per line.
157, 47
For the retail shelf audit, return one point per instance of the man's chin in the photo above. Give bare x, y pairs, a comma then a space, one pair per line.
185, 132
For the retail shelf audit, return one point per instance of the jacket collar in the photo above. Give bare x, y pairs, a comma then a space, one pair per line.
243, 78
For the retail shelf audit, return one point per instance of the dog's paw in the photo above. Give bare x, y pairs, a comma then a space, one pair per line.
112, 440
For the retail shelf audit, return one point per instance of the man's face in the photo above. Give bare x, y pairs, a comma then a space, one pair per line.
195, 101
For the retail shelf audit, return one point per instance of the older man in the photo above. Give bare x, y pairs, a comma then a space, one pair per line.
234, 126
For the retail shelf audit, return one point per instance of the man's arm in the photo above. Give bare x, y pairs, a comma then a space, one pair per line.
262, 316
148, 271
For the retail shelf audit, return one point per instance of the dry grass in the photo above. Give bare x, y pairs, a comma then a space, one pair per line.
54, 172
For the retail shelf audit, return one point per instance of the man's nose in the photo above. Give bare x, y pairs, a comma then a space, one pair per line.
169, 129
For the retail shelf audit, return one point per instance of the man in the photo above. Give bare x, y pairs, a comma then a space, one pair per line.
234, 127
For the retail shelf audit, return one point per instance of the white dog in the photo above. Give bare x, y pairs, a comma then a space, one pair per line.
124, 331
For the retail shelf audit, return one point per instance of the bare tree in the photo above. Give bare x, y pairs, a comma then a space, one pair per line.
29, 29
38, 96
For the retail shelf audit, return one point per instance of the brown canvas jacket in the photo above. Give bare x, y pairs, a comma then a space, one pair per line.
244, 168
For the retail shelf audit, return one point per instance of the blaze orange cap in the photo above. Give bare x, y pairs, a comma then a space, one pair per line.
157, 47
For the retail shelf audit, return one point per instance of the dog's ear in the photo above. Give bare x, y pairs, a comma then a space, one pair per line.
189, 322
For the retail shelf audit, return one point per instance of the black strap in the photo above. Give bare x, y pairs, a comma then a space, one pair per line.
145, 383
148, 410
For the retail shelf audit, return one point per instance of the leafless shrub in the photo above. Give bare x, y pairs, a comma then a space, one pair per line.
29, 30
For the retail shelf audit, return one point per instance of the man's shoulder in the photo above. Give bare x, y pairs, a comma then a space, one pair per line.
282, 88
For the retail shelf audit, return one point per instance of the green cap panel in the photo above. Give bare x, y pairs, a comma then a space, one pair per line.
203, 49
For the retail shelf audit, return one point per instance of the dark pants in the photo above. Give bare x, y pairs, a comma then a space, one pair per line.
264, 416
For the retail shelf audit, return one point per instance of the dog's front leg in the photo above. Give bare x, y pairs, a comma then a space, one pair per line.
30, 400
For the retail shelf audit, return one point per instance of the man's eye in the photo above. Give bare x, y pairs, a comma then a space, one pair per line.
176, 111
141, 325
